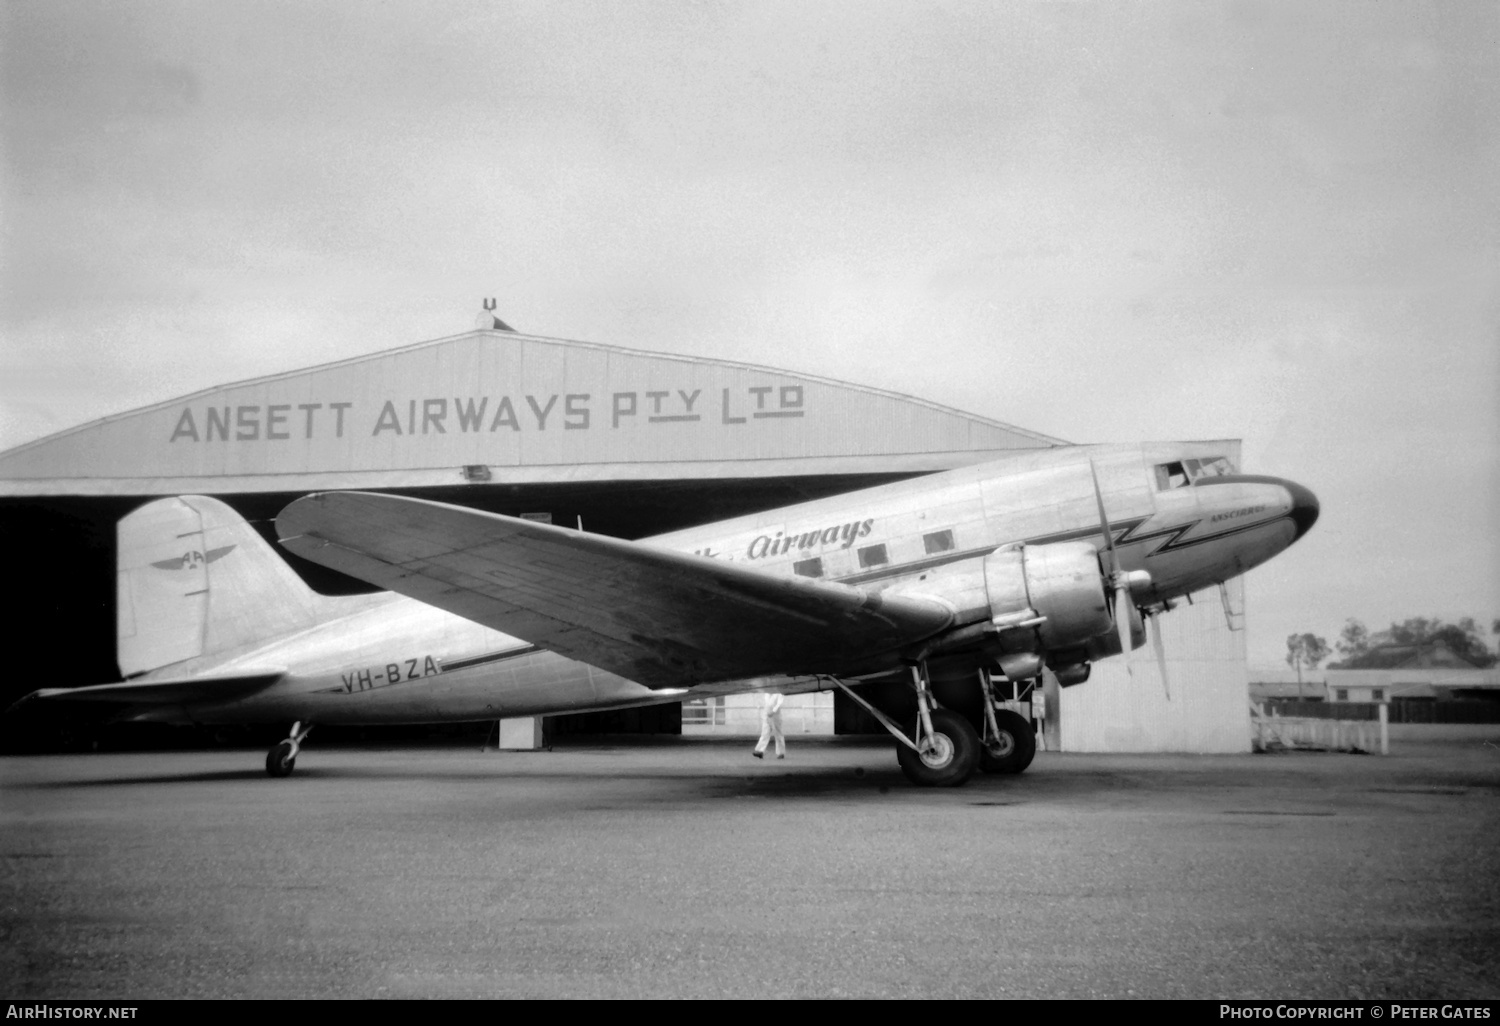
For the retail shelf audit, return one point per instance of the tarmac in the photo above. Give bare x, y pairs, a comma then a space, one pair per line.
638, 868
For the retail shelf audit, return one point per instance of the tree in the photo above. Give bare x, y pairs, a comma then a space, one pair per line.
1354, 639
1462, 638
1305, 650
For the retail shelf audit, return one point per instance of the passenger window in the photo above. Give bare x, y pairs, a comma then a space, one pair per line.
808, 567
938, 541
873, 555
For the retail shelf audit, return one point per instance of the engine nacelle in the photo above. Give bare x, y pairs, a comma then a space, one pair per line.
1051, 605
1055, 590
1108, 644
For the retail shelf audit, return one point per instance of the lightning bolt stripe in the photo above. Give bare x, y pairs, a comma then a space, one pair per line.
1173, 544
1171, 539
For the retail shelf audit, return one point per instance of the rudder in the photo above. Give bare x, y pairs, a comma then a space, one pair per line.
193, 578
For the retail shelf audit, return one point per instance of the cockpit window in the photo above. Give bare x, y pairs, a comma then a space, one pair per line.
1171, 475
1181, 473
1214, 466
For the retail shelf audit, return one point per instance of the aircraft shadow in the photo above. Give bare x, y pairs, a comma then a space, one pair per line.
790, 784
218, 776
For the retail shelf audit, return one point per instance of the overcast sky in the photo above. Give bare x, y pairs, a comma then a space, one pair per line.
1106, 222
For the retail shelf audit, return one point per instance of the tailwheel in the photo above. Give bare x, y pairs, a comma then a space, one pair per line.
947, 757
282, 759
1012, 746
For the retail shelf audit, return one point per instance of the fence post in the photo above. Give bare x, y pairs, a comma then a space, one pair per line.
1385, 733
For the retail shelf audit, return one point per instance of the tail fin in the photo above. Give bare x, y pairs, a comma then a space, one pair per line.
193, 578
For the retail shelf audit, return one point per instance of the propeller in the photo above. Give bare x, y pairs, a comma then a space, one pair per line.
1157, 645
1119, 581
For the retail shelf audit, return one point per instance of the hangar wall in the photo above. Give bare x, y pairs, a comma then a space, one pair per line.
1127, 710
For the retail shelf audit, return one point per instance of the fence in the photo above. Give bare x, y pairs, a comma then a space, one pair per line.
1399, 710
1412, 710
1271, 730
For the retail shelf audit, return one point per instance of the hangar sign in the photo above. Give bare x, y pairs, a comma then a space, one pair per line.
498, 406
275, 422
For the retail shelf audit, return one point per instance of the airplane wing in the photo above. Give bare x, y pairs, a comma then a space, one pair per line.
166, 690
655, 616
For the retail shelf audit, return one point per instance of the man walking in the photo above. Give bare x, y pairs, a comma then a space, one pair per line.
770, 725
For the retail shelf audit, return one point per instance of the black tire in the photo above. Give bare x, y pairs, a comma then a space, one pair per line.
953, 763
1016, 747
281, 760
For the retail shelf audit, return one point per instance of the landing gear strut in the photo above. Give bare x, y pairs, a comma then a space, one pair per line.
948, 752
941, 749
1008, 745
281, 760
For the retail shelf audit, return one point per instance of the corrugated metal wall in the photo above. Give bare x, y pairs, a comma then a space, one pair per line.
1209, 708
800, 715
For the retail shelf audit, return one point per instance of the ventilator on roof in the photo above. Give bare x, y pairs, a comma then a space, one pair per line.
487, 321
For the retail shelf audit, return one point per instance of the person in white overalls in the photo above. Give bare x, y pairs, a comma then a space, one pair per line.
770, 725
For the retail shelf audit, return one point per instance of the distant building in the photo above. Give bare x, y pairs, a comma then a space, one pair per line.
1432, 655
1393, 672
1268, 685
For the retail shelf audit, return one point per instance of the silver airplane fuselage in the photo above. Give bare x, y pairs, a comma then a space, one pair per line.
385, 658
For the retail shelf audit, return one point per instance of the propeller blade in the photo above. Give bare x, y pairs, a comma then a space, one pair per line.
1161, 653
1109, 533
1118, 581
1122, 624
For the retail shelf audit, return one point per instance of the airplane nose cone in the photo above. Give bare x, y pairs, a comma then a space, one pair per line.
1304, 507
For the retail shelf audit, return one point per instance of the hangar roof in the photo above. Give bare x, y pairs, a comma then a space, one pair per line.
492, 406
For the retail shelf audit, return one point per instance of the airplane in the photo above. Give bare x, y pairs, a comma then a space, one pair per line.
919, 599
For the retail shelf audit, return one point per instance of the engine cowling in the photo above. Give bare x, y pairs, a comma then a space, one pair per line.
1051, 604
1109, 644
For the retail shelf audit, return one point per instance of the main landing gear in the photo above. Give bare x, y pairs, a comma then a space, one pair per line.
946, 753
942, 749
281, 760
1008, 744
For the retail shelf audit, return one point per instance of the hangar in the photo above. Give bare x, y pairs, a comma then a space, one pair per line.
619, 441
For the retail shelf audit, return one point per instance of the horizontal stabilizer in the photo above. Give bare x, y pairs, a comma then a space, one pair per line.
167, 690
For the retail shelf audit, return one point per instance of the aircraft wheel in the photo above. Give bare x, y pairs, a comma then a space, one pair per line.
949, 760
282, 759
1014, 749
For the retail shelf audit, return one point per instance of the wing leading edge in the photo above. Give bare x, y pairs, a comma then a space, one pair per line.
658, 617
